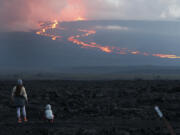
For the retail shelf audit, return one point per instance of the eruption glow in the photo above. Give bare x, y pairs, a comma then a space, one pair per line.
73, 11
80, 19
47, 30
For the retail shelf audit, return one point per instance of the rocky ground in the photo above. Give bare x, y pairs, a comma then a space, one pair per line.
93, 107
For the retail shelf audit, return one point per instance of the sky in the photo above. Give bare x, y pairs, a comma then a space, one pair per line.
23, 15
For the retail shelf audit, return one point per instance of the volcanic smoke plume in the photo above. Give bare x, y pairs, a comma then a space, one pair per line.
24, 15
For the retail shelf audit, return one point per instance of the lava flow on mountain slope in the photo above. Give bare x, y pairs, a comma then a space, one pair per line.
48, 29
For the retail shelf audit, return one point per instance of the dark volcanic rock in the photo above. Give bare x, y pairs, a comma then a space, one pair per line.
93, 107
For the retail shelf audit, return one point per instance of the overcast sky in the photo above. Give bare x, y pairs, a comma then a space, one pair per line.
24, 14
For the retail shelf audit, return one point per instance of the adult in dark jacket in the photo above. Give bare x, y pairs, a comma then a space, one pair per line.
20, 99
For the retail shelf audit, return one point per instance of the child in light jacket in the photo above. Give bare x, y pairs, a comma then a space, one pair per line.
48, 113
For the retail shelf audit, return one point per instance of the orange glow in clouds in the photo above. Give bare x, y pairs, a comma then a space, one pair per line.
73, 11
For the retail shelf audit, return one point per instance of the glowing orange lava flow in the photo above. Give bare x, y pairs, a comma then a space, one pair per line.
170, 56
47, 30
107, 49
112, 49
75, 40
80, 19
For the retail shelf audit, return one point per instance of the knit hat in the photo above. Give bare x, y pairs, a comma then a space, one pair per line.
20, 82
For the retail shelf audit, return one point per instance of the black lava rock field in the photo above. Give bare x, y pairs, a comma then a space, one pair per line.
93, 107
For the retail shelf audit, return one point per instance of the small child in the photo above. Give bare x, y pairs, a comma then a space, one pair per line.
48, 113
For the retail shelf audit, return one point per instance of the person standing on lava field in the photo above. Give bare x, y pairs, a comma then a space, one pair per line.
19, 97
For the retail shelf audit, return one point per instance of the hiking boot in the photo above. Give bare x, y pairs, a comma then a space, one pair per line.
25, 119
19, 120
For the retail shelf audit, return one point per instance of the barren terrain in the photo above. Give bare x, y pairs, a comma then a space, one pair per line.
93, 107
